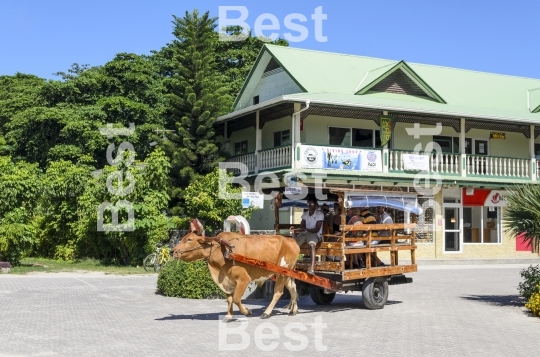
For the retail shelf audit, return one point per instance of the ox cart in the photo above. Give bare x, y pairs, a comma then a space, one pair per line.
331, 277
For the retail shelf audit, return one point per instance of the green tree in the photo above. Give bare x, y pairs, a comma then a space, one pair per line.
149, 199
203, 200
19, 191
18, 93
198, 94
63, 182
523, 213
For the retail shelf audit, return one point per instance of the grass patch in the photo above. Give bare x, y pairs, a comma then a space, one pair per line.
32, 265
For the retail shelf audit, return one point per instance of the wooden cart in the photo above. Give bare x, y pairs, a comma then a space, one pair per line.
337, 276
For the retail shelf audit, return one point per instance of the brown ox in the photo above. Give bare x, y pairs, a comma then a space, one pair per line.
233, 278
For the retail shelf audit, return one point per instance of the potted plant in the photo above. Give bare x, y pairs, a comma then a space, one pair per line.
5, 267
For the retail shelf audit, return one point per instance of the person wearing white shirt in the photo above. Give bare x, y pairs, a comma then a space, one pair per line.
384, 218
311, 230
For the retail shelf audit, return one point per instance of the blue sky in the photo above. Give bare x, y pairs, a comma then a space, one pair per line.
43, 37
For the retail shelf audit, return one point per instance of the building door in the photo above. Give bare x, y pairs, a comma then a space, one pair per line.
481, 147
453, 223
478, 161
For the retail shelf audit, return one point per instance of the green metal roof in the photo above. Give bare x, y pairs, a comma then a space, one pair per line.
337, 77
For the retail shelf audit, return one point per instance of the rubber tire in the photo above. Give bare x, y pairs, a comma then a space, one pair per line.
149, 262
375, 293
319, 297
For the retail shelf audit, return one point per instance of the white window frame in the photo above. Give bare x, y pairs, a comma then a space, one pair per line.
240, 142
281, 137
473, 141
351, 131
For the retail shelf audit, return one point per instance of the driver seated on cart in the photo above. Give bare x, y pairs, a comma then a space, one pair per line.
310, 231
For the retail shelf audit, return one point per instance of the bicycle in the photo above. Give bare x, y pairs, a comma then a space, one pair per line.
157, 259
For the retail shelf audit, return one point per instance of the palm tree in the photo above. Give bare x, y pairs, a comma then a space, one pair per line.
522, 216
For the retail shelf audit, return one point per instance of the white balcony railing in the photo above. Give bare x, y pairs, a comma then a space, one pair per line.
445, 163
273, 158
442, 163
246, 159
498, 166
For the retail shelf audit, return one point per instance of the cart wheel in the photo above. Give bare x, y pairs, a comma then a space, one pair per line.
375, 293
319, 297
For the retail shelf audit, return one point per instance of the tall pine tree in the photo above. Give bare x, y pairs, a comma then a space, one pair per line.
198, 95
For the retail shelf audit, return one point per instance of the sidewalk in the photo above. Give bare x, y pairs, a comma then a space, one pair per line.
476, 261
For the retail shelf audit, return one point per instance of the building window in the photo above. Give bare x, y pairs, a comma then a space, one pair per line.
339, 136
481, 224
255, 100
353, 137
240, 148
450, 144
282, 137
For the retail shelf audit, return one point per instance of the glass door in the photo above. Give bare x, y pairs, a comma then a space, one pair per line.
453, 223
480, 162
481, 147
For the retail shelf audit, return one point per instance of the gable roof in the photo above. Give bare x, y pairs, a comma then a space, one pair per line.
533, 100
401, 77
338, 77
264, 61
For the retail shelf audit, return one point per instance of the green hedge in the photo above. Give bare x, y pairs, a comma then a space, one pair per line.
187, 280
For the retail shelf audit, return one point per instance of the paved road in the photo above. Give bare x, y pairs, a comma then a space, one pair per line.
447, 311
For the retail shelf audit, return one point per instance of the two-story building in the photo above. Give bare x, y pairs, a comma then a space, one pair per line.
319, 114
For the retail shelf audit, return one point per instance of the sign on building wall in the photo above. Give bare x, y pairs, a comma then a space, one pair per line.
496, 199
254, 199
335, 158
413, 162
494, 135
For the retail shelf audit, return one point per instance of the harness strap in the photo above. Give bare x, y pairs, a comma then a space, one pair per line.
224, 243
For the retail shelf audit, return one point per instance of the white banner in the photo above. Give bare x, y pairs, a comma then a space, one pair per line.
294, 191
414, 162
255, 199
496, 199
336, 158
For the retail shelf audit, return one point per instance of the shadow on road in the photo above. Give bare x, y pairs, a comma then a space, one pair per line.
498, 300
305, 306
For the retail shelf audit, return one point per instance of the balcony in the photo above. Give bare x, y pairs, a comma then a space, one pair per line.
264, 160
393, 162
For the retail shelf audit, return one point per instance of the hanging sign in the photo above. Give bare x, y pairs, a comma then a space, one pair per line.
413, 162
254, 199
494, 135
387, 127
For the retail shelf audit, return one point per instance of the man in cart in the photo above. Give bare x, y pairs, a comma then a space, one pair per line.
310, 231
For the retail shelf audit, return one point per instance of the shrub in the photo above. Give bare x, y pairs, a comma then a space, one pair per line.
6, 265
187, 280
534, 303
531, 282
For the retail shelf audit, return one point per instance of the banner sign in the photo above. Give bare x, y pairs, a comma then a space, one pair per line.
413, 162
254, 199
387, 127
496, 199
336, 158
293, 191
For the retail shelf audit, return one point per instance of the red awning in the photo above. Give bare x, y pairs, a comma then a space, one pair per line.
476, 199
